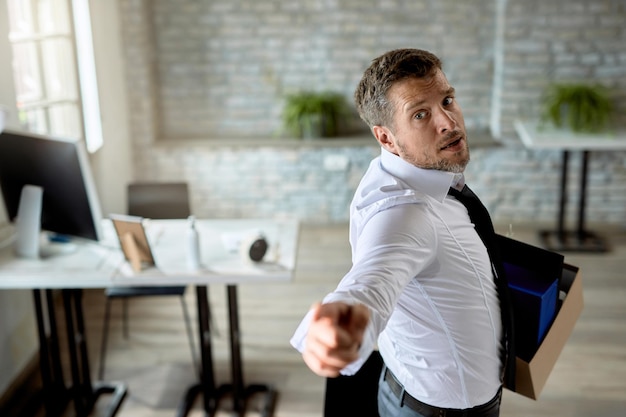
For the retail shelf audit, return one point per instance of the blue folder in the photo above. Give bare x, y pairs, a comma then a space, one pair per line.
533, 276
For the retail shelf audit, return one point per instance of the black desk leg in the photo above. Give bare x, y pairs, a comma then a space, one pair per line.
241, 393
580, 240
206, 385
55, 394
84, 394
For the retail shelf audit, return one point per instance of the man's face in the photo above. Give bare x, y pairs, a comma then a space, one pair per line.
428, 128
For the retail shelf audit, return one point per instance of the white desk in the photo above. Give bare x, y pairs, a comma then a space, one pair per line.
553, 139
91, 265
102, 265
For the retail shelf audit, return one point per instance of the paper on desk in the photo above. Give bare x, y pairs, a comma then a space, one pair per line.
232, 240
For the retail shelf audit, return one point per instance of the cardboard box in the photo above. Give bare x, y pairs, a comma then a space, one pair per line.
532, 375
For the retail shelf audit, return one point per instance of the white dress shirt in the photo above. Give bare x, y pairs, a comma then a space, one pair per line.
424, 273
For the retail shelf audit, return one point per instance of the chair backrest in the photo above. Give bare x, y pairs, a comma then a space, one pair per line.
159, 200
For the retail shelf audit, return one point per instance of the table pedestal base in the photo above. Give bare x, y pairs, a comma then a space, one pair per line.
238, 392
239, 404
226, 391
573, 241
82, 392
118, 391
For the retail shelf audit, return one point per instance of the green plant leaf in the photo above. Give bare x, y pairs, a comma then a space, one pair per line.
579, 107
308, 111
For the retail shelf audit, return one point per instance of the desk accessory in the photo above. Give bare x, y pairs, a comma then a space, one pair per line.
258, 249
193, 245
133, 240
28, 225
253, 247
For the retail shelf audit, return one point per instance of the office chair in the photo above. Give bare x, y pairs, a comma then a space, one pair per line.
154, 201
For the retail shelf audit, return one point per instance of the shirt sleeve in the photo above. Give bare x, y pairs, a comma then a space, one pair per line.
391, 249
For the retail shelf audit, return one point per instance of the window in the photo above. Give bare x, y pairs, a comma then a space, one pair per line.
55, 87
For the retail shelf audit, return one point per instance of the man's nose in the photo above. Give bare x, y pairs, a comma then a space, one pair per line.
445, 121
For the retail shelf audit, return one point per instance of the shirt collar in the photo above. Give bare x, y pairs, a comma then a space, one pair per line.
433, 182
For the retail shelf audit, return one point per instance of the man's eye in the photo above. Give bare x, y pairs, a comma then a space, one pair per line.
448, 100
420, 115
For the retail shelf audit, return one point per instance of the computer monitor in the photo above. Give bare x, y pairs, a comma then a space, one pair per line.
70, 205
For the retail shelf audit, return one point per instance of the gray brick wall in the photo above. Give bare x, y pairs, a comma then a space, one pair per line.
223, 67
561, 41
206, 78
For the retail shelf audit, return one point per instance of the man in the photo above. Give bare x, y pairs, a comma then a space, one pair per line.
422, 288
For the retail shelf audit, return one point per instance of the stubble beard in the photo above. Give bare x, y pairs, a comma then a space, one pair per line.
442, 164
456, 167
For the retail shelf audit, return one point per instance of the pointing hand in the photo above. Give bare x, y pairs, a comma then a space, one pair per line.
334, 337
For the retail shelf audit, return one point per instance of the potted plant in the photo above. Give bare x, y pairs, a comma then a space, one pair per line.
310, 114
579, 107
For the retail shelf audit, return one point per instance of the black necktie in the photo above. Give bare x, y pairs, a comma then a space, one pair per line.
484, 227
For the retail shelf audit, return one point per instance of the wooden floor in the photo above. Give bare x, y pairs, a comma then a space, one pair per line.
588, 380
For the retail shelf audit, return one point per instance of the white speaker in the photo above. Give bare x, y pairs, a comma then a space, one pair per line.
28, 223
254, 248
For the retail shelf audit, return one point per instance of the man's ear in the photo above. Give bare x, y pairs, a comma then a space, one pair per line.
384, 136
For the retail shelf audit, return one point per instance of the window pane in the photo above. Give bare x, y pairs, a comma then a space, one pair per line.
33, 120
53, 16
44, 64
26, 72
65, 121
21, 17
59, 76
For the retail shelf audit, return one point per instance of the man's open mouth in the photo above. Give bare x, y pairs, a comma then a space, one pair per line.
451, 144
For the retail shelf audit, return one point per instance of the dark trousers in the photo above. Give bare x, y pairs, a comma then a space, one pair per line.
393, 401
354, 395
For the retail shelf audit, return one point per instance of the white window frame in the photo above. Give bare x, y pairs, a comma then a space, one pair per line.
78, 73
